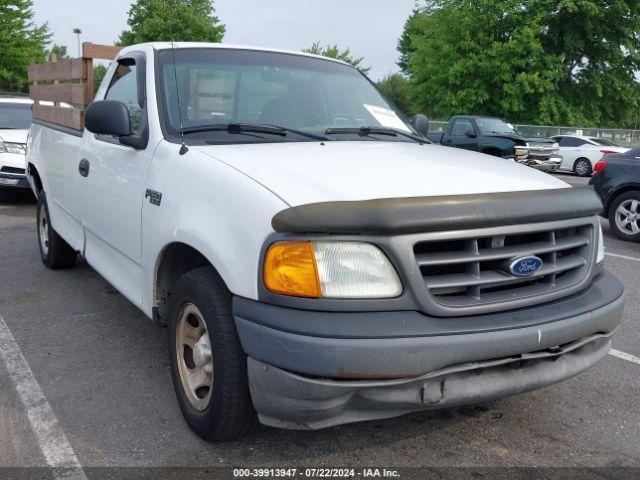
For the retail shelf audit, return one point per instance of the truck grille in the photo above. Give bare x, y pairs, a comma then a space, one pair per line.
470, 272
542, 150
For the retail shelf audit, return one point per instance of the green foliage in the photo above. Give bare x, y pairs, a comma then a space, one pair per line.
395, 87
22, 41
166, 20
332, 51
529, 61
99, 71
60, 52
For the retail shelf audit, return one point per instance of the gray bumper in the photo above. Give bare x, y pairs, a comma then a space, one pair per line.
287, 400
356, 366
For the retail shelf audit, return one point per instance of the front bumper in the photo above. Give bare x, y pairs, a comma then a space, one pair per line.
549, 164
316, 369
11, 180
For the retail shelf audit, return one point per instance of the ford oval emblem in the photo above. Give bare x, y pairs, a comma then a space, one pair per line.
525, 266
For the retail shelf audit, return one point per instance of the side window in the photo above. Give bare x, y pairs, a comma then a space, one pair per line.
571, 142
461, 127
124, 88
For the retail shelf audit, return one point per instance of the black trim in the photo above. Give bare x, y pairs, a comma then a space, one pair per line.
605, 290
428, 214
60, 128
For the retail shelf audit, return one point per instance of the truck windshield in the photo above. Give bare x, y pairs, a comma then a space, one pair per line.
493, 125
306, 98
15, 115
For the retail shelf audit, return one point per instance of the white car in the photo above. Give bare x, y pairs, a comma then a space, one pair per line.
15, 120
580, 154
316, 261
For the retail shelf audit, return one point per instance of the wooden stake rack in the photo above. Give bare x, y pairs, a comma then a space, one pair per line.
62, 89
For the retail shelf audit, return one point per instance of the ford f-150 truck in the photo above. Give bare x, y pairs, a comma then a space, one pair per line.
314, 260
494, 136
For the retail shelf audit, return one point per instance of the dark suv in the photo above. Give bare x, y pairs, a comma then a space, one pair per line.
616, 180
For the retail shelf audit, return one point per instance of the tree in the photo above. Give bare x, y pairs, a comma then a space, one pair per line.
166, 20
99, 71
395, 87
332, 51
598, 46
22, 41
543, 61
60, 51
481, 56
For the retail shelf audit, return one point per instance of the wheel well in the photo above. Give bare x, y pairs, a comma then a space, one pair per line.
176, 259
33, 172
617, 193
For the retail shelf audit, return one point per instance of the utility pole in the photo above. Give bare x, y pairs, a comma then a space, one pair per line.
77, 31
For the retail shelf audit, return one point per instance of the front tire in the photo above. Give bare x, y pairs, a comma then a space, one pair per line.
624, 216
54, 251
582, 167
208, 365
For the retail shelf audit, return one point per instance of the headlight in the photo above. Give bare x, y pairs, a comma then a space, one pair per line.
18, 148
520, 152
326, 269
600, 255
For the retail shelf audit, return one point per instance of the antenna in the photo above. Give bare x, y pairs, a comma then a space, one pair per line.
183, 149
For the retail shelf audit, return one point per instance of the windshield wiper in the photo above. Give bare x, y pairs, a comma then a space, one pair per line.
366, 131
248, 128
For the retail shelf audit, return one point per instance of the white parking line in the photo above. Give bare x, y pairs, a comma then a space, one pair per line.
624, 356
49, 434
626, 257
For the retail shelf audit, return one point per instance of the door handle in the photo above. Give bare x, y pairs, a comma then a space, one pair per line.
83, 167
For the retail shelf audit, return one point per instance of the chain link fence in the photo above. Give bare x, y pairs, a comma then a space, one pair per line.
625, 138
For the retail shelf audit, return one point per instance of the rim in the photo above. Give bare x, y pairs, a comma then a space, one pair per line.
628, 217
194, 356
43, 224
582, 167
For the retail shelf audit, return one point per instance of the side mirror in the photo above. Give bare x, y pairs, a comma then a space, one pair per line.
470, 134
108, 117
421, 124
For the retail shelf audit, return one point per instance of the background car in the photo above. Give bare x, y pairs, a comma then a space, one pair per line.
15, 120
580, 154
616, 180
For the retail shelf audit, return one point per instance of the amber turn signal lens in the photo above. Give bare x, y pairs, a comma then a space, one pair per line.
290, 269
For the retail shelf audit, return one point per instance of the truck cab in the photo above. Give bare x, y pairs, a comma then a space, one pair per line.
315, 260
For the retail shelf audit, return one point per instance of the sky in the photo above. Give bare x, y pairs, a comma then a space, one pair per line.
371, 28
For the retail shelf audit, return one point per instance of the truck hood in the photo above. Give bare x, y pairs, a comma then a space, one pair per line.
309, 172
11, 135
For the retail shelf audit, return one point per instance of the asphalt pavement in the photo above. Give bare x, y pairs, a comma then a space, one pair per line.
86, 364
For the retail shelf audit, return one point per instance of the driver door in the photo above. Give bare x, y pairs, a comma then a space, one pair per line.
114, 187
463, 134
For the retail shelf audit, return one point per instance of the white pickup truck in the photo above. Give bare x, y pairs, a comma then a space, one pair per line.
315, 260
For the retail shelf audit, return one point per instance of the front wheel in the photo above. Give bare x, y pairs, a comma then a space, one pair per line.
624, 216
582, 167
54, 251
208, 365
